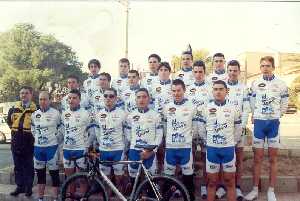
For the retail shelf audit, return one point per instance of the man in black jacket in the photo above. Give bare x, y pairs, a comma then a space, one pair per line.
19, 121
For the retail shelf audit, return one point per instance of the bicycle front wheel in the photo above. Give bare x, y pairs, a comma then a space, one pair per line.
165, 188
79, 187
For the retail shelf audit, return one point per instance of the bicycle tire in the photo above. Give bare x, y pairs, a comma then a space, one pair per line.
145, 187
97, 186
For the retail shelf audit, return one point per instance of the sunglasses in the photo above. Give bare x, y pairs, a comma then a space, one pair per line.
109, 96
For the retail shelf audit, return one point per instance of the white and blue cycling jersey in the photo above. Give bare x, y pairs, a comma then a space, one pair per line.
45, 127
110, 128
238, 95
144, 127
199, 93
269, 98
77, 126
84, 102
91, 84
128, 97
120, 84
186, 75
217, 75
220, 122
149, 80
161, 93
179, 123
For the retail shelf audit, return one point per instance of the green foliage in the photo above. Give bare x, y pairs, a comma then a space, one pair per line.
201, 54
28, 57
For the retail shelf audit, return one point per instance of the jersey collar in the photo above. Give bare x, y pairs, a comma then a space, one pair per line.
165, 82
198, 84
181, 102
94, 76
45, 110
123, 76
232, 83
220, 71
134, 88
143, 110
110, 110
75, 109
153, 74
220, 103
269, 78
187, 69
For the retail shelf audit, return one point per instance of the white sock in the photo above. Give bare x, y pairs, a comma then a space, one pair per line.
271, 189
255, 188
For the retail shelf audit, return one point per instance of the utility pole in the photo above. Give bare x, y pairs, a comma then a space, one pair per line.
126, 4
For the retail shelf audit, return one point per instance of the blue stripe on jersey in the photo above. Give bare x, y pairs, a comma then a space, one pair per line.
253, 95
246, 99
285, 96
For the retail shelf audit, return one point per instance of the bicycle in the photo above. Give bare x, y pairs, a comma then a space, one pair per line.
152, 188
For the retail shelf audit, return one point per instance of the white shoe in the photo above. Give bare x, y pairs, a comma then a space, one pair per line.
253, 195
239, 194
271, 196
203, 192
220, 193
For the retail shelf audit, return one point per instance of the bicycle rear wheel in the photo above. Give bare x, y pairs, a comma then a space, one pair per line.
79, 187
169, 189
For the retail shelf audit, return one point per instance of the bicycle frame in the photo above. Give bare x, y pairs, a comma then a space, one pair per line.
108, 182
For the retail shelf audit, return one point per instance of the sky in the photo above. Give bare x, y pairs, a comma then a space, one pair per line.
96, 29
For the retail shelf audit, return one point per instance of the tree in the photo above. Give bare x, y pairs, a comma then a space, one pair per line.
32, 58
201, 54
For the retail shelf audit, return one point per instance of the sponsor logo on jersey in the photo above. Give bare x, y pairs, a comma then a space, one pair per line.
158, 89
212, 110
172, 109
193, 90
136, 117
67, 115
214, 78
89, 82
103, 116
38, 116
261, 85
127, 94
149, 81
181, 75
119, 81
97, 97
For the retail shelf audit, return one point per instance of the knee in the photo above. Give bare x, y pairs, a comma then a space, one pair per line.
273, 160
41, 174
212, 182
258, 157
229, 182
54, 177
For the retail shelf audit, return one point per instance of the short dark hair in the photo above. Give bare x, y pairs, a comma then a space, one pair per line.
220, 82
269, 59
199, 63
107, 75
124, 60
30, 89
113, 90
187, 52
73, 77
134, 71
94, 61
219, 54
178, 82
142, 90
164, 64
156, 56
75, 91
234, 63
